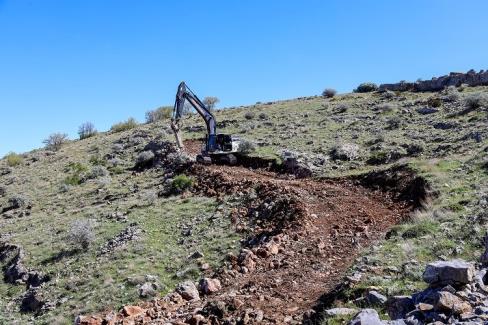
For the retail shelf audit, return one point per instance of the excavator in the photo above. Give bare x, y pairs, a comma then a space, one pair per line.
218, 148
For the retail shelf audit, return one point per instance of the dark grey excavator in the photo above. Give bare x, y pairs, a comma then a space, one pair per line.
218, 148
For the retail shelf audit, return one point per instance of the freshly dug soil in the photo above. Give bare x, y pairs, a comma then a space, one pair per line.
303, 235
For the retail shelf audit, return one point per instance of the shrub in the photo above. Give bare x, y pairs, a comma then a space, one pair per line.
247, 147
394, 122
263, 116
86, 130
98, 171
366, 87
210, 102
451, 94
476, 100
159, 114
342, 108
124, 126
144, 159
97, 160
249, 115
78, 174
434, 102
181, 183
81, 233
55, 141
346, 151
329, 92
13, 159
385, 108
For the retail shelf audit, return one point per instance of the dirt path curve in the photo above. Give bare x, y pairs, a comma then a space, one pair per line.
303, 236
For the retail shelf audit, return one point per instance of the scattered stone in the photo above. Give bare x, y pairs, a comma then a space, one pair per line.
148, 290
210, 286
32, 301
455, 273
196, 255
366, 317
188, 291
427, 110
132, 232
132, 311
399, 306
334, 312
376, 298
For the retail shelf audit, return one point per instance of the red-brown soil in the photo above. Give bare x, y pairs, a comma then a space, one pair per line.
303, 236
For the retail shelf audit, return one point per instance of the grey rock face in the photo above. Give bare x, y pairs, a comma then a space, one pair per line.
455, 273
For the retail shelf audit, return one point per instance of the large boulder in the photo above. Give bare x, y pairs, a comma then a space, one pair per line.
367, 317
210, 286
455, 273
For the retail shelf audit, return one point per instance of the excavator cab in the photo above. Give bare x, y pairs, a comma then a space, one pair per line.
218, 148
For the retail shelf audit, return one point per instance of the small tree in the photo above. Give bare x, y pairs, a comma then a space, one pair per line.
55, 141
329, 93
86, 130
210, 102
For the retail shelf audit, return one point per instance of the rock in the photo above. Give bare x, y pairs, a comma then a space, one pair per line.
148, 290
334, 312
88, 320
484, 257
455, 273
188, 291
427, 110
196, 255
425, 307
399, 306
210, 286
366, 317
446, 301
132, 311
376, 298
197, 320
32, 301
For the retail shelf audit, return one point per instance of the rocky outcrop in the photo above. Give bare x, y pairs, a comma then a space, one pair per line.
471, 78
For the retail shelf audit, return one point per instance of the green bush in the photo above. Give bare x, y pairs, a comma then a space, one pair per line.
124, 126
181, 183
13, 159
366, 87
78, 174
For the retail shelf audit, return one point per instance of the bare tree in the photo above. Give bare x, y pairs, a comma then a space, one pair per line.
210, 102
55, 141
86, 130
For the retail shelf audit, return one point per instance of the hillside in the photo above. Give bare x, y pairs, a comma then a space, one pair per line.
399, 179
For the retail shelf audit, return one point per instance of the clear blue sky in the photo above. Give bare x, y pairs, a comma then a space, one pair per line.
66, 62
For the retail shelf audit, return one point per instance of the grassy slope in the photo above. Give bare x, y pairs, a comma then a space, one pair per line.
311, 126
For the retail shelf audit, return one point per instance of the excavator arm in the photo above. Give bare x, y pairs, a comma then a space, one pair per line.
185, 94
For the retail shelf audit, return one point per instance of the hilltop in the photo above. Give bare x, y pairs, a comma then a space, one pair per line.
394, 179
